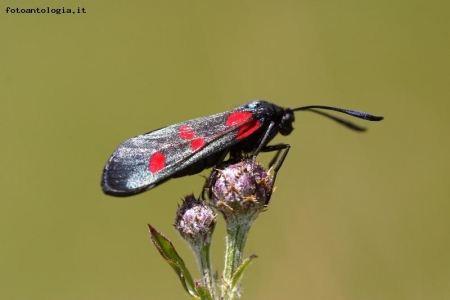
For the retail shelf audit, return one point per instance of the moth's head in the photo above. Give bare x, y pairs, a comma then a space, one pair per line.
288, 117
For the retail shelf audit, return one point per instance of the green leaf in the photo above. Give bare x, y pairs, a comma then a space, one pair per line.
237, 276
204, 293
170, 255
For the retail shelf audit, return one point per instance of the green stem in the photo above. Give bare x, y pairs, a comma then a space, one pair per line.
235, 242
204, 264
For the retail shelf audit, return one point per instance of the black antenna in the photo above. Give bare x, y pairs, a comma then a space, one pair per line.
348, 124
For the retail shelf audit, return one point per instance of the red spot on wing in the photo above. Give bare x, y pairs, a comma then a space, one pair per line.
238, 117
157, 162
197, 143
244, 120
186, 132
247, 129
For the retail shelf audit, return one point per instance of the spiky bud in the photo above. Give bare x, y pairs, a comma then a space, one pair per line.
239, 188
195, 221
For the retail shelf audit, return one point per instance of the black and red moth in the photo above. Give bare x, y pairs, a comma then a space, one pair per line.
187, 148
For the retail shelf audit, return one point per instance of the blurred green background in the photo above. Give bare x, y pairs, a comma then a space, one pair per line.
355, 216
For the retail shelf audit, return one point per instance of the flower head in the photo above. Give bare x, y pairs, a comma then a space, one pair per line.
195, 221
240, 188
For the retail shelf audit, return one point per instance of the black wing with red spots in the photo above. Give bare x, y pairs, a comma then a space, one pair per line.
142, 162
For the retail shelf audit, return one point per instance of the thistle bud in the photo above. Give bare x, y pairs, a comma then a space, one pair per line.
240, 188
195, 221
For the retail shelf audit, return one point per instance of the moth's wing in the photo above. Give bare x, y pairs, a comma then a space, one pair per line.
144, 161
